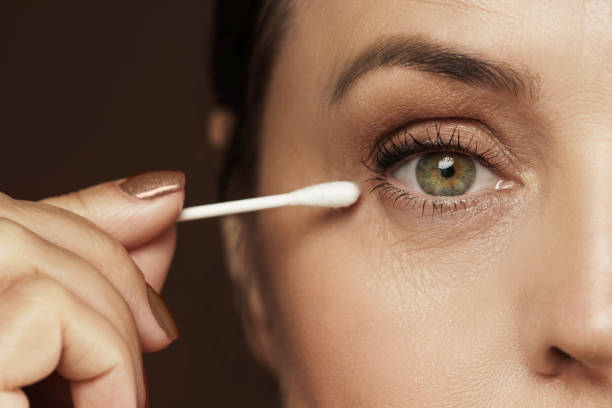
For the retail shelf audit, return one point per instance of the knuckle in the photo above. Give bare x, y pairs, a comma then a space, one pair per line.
38, 299
42, 292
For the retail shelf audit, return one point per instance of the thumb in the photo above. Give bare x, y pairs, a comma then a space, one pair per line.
133, 211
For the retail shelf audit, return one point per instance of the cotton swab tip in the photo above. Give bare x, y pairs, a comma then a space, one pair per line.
333, 194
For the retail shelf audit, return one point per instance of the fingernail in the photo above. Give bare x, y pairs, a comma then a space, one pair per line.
162, 314
154, 184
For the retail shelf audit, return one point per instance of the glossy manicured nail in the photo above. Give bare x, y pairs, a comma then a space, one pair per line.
162, 314
154, 184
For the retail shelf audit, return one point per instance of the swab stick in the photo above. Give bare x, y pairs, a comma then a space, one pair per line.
333, 194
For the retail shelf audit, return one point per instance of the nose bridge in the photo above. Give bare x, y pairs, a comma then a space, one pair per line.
568, 295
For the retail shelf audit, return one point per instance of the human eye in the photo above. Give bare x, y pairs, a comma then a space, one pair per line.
440, 167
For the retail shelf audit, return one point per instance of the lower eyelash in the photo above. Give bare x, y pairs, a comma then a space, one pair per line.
387, 191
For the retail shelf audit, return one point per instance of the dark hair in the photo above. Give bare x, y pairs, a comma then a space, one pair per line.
247, 36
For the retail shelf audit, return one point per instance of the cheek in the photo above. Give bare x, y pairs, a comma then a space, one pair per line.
363, 319
330, 306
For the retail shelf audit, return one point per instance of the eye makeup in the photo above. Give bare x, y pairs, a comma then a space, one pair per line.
450, 141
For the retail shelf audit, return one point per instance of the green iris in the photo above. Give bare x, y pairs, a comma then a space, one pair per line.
454, 180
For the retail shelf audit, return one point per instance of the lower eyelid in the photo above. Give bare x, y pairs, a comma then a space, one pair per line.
423, 206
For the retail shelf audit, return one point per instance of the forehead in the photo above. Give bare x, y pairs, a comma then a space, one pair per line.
471, 17
542, 35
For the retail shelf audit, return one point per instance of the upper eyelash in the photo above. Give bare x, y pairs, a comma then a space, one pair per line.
398, 147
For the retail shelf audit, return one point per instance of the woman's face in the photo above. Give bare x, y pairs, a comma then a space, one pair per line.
478, 272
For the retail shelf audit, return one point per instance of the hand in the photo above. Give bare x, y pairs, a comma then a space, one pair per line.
74, 298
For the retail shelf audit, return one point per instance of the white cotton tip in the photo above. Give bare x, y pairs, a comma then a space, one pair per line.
332, 194
445, 163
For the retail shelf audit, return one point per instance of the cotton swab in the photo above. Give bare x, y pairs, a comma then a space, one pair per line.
333, 194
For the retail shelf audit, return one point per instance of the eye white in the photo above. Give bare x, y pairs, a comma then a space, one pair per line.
485, 178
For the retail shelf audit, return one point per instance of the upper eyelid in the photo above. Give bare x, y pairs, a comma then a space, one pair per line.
385, 148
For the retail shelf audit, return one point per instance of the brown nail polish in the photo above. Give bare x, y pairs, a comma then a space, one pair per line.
154, 184
162, 314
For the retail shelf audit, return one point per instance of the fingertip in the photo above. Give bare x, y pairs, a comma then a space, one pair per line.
133, 210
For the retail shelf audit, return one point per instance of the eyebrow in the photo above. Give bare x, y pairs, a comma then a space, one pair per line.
426, 56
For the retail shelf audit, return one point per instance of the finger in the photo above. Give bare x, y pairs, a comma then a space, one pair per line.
14, 399
82, 237
154, 258
133, 211
43, 326
23, 253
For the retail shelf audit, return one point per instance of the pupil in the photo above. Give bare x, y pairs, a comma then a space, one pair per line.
448, 172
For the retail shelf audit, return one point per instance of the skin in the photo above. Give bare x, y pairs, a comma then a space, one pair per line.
376, 306
504, 305
74, 314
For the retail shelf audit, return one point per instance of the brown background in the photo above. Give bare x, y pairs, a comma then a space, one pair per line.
97, 90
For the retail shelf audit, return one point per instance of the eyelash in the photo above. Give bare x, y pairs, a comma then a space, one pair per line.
400, 146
